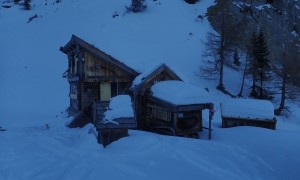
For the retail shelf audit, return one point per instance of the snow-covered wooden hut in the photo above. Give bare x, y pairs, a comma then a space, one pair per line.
141, 87
177, 107
248, 112
164, 103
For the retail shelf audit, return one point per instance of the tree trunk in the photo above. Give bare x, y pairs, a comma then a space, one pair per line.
220, 85
261, 86
221, 51
243, 81
278, 111
253, 91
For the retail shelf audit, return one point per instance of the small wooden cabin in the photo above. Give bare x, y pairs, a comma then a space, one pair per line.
177, 107
160, 115
94, 75
248, 112
141, 87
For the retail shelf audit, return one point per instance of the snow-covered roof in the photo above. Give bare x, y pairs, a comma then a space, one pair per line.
140, 78
180, 93
248, 109
119, 107
149, 74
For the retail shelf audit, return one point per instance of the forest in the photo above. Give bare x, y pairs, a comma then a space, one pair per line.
264, 35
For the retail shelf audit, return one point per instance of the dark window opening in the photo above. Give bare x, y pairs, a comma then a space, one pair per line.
118, 88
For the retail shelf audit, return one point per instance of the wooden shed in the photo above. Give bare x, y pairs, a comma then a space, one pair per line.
141, 87
93, 75
176, 107
248, 112
160, 115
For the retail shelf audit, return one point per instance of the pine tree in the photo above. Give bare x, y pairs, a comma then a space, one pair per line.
262, 63
191, 1
27, 5
269, 1
17, 1
137, 6
252, 64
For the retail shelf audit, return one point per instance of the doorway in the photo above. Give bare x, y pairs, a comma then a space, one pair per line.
105, 91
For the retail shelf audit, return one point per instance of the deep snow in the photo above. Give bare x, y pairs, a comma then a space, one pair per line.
248, 108
33, 97
119, 107
180, 93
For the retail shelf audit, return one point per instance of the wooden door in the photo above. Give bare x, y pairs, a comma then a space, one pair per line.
105, 91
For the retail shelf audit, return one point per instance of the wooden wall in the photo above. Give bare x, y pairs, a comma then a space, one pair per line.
233, 122
74, 97
90, 92
98, 70
185, 122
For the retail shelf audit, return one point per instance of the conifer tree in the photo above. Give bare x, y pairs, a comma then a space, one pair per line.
262, 65
27, 5
252, 64
191, 1
17, 1
137, 6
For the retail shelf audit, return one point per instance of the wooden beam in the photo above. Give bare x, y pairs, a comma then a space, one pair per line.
107, 78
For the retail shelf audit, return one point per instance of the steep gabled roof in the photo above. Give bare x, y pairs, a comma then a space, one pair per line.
98, 53
144, 78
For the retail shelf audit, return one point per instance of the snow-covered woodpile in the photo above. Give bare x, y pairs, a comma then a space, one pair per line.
248, 112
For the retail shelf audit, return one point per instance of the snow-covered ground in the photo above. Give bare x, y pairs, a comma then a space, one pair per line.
33, 97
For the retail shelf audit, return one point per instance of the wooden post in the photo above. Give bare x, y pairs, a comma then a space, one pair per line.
211, 113
117, 86
175, 116
209, 131
94, 113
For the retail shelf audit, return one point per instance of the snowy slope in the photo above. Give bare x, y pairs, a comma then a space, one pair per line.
33, 94
166, 32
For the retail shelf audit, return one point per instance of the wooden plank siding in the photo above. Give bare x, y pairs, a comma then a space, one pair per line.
184, 120
97, 69
88, 67
127, 123
228, 122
